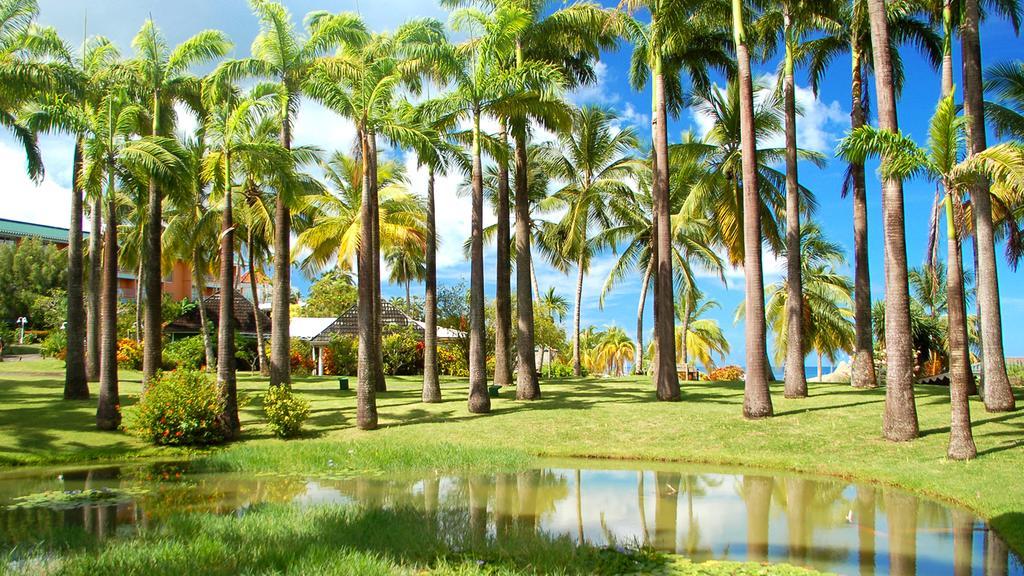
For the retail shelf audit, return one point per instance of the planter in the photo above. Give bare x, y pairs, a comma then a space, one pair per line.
493, 391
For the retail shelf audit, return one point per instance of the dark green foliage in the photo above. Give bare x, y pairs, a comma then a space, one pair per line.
340, 357
29, 270
330, 296
178, 408
186, 353
50, 310
55, 345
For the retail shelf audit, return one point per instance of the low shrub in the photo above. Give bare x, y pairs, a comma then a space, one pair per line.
560, 369
129, 354
186, 353
403, 353
301, 357
341, 356
726, 374
179, 408
451, 361
55, 345
285, 411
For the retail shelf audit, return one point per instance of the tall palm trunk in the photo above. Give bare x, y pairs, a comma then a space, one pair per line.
757, 402
796, 380
527, 385
76, 386
479, 402
900, 421
92, 329
225, 325
280, 356
366, 391
961, 440
638, 362
197, 279
503, 296
261, 351
431, 383
666, 379
684, 328
108, 412
380, 382
152, 338
577, 367
998, 395
863, 370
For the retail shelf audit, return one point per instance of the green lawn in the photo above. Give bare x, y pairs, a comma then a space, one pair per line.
834, 432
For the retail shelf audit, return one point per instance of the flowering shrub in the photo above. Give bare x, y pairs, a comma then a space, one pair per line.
129, 354
341, 356
451, 361
285, 411
55, 345
726, 374
179, 408
186, 353
301, 357
403, 353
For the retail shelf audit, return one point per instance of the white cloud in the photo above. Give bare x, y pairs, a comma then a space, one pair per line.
634, 116
49, 202
772, 265
317, 126
596, 92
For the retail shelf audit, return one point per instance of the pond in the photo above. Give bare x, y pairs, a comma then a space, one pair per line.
700, 512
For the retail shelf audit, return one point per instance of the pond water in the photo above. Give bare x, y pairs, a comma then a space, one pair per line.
700, 512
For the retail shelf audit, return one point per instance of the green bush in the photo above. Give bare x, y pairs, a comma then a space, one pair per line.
186, 353
560, 369
341, 357
285, 411
403, 353
179, 408
55, 345
451, 361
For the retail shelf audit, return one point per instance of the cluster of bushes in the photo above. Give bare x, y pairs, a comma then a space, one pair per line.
179, 408
129, 354
451, 361
341, 357
726, 374
402, 353
285, 411
55, 345
561, 369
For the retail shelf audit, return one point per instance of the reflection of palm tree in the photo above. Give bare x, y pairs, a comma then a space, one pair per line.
695, 485
901, 516
757, 493
665, 507
642, 507
865, 519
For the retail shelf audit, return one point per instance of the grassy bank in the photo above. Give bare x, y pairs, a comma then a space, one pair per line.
835, 432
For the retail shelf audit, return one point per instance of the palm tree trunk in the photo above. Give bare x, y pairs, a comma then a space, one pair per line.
577, 368
638, 363
667, 381
503, 296
863, 370
527, 385
864, 507
431, 384
757, 402
108, 411
533, 277
961, 440
261, 351
684, 327
998, 395
380, 382
76, 386
197, 279
366, 391
280, 354
92, 329
901, 516
796, 380
226, 318
757, 494
152, 340
139, 297
479, 401
900, 421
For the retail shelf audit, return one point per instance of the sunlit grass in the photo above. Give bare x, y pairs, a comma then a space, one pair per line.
834, 432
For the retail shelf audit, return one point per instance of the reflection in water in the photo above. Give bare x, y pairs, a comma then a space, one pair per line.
824, 524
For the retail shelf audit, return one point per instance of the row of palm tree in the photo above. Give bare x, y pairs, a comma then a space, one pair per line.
672, 209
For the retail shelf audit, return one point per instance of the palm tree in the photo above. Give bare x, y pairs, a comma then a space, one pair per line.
114, 152
854, 36
679, 37
287, 57
1002, 165
232, 118
164, 79
407, 265
998, 395
556, 307
827, 302
594, 161
481, 85
613, 351
1006, 112
697, 336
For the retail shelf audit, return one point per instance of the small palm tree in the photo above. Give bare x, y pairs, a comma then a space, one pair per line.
613, 352
704, 338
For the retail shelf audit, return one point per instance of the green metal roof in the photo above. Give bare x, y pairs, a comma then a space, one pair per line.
16, 229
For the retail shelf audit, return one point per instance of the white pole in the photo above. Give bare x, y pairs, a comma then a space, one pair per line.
319, 361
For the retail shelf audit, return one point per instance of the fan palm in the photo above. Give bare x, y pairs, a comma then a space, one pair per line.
163, 79
941, 161
854, 37
680, 37
287, 56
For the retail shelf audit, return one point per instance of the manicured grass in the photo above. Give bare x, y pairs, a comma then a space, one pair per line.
834, 432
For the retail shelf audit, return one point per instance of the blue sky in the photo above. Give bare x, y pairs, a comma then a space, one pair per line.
826, 119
